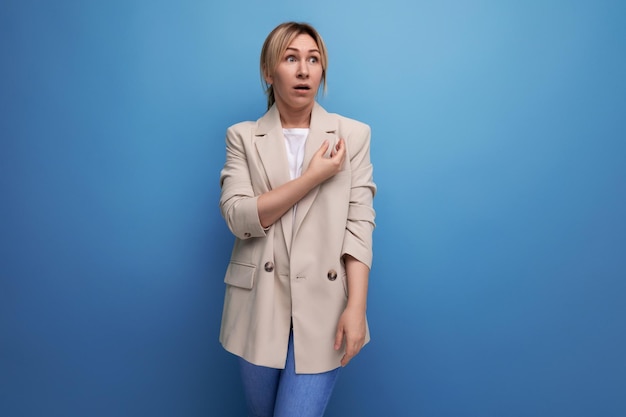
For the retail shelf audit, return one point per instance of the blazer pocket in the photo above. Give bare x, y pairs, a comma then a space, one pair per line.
240, 275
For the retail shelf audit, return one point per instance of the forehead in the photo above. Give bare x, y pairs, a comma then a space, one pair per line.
303, 42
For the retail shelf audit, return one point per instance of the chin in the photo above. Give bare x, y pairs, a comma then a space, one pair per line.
301, 103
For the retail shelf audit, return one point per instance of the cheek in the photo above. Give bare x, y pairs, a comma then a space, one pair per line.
318, 76
278, 83
278, 78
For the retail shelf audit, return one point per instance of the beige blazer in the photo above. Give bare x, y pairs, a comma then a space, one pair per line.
294, 270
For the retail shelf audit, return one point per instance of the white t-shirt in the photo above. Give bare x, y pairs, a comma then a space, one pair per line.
294, 142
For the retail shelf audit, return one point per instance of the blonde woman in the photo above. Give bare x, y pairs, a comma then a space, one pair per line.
296, 191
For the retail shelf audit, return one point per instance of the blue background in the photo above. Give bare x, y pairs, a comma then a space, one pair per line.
498, 286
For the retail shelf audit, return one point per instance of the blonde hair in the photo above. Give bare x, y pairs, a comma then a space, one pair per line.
277, 43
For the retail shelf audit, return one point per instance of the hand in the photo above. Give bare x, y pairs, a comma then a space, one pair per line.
322, 168
351, 330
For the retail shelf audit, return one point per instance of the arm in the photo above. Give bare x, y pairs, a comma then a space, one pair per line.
352, 321
273, 204
247, 214
357, 240
357, 248
237, 197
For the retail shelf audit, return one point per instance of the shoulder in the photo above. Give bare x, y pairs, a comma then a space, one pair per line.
356, 133
348, 126
329, 121
268, 121
242, 126
241, 133
351, 122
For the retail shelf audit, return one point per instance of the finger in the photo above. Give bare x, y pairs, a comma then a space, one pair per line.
351, 349
322, 149
338, 146
354, 345
340, 149
337, 155
351, 352
339, 337
346, 359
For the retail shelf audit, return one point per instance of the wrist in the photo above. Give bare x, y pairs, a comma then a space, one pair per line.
357, 307
310, 179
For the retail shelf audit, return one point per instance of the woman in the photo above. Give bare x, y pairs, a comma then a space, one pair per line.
297, 193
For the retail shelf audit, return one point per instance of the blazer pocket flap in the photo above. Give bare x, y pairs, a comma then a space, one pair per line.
240, 275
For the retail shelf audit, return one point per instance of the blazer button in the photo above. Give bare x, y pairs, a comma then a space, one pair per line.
247, 234
332, 275
269, 266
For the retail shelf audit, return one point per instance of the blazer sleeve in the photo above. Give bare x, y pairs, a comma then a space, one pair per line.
357, 240
238, 203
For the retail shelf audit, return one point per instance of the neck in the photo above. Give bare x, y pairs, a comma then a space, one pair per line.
294, 118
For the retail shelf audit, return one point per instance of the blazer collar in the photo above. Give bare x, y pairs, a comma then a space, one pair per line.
269, 141
320, 120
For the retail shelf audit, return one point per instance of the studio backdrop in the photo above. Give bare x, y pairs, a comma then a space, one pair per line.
498, 143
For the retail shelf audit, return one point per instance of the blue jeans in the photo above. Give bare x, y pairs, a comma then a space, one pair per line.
283, 393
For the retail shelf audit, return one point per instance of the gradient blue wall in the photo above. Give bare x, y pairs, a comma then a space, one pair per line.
498, 287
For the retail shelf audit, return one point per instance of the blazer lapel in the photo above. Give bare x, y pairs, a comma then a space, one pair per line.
271, 148
270, 144
323, 127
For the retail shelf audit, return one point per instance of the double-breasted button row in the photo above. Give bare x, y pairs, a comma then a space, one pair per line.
332, 275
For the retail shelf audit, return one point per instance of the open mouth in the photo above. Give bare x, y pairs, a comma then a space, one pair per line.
302, 87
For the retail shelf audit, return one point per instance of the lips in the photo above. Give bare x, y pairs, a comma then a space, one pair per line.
302, 87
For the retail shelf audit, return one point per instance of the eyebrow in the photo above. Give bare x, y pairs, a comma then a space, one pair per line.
297, 50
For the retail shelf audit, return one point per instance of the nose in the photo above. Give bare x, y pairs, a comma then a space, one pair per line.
303, 69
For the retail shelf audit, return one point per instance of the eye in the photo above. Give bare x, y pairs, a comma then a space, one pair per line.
314, 60
290, 58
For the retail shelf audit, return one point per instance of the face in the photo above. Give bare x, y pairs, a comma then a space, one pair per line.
298, 74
